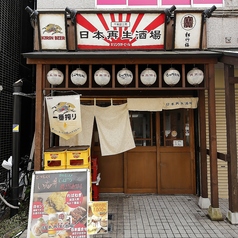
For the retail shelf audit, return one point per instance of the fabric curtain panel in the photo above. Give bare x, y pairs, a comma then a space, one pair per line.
176, 103
159, 104
114, 129
113, 123
144, 104
85, 136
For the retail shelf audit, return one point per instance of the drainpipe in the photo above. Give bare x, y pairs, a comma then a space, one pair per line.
17, 88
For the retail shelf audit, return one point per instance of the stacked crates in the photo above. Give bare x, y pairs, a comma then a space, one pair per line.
69, 157
55, 158
78, 157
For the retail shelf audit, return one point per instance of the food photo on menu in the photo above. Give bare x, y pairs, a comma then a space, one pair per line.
97, 217
58, 219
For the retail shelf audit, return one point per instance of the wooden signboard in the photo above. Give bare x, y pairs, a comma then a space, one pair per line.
58, 204
188, 30
52, 31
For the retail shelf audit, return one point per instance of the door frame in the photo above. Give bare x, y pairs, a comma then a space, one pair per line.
188, 149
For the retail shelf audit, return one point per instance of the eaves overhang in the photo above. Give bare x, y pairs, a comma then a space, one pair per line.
229, 56
120, 54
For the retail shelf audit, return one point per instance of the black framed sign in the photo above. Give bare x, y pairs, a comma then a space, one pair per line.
52, 31
188, 30
59, 203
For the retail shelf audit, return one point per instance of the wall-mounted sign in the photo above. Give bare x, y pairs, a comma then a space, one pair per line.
188, 30
52, 31
116, 31
177, 143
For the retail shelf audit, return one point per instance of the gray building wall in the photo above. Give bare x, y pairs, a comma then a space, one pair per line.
61, 4
222, 30
221, 26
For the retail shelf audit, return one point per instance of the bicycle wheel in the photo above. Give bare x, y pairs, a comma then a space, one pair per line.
4, 196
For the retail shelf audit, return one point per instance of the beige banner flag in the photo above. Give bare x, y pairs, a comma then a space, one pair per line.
145, 104
175, 103
159, 104
64, 115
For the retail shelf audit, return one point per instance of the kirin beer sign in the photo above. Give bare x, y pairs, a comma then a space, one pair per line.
52, 31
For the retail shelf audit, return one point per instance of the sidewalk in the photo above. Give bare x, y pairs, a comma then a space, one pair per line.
167, 216
147, 216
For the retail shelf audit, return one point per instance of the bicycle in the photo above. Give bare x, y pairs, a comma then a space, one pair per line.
5, 196
25, 173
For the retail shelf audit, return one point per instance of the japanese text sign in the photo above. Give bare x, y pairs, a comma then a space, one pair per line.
116, 31
64, 115
188, 30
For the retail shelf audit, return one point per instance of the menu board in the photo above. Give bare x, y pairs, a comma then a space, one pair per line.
59, 204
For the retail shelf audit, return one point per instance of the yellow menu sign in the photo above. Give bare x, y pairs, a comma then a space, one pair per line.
97, 217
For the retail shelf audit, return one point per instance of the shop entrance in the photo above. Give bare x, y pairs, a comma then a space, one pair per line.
176, 157
163, 161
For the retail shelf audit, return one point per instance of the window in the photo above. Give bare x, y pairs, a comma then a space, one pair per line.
156, 3
143, 128
174, 128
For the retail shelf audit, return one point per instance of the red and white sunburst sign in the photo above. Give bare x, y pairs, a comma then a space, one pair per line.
116, 31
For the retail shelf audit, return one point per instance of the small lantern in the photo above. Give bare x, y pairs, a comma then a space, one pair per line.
195, 76
55, 76
78, 77
124, 76
148, 76
171, 76
102, 77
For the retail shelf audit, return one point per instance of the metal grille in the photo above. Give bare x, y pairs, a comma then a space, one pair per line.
10, 11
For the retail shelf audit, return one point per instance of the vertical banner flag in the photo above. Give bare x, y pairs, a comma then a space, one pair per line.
64, 115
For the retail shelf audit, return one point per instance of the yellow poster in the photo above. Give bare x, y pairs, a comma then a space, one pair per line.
97, 217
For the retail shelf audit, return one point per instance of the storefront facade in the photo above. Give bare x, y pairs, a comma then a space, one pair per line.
170, 155
154, 152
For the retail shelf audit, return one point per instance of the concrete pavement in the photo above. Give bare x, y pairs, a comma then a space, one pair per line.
167, 216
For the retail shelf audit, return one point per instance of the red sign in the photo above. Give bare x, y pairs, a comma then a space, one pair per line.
116, 31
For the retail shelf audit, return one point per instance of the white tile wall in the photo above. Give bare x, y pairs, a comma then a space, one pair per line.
222, 32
